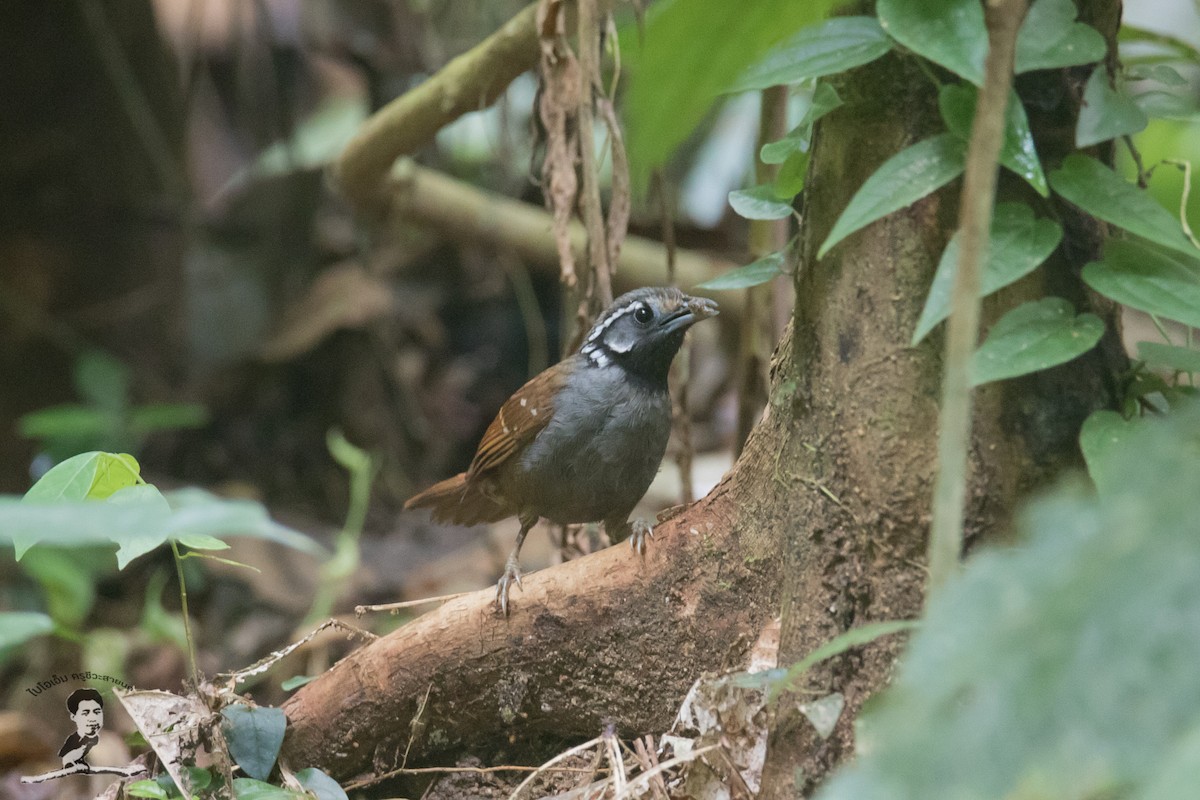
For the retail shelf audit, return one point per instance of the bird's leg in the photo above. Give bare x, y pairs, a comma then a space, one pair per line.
639, 532
512, 567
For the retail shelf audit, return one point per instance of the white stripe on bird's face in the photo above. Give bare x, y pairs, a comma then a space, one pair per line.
603, 324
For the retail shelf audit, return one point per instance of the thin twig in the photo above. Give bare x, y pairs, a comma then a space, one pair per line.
393, 607
187, 617
615, 761
975, 219
649, 761
1186, 166
579, 748
643, 780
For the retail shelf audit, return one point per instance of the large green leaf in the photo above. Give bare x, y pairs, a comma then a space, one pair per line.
1104, 194
900, 181
1103, 439
1050, 38
18, 627
87, 476
1034, 336
826, 48
1150, 279
1183, 359
759, 202
957, 104
140, 519
1061, 668
1019, 243
1106, 113
254, 735
948, 32
691, 51
753, 274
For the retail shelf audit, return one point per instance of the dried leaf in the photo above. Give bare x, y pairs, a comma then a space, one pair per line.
173, 726
344, 296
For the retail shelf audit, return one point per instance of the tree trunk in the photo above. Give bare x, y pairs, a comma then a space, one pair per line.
829, 500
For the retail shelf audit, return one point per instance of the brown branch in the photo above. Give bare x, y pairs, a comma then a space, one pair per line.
427, 197
561, 666
469, 82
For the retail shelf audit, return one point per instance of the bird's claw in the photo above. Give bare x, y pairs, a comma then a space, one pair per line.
512, 574
643, 532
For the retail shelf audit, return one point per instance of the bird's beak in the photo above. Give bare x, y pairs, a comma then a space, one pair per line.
690, 311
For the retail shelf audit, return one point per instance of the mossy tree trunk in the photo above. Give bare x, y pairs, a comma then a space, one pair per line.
825, 513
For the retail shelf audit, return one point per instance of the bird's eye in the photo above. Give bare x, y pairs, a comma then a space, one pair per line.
643, 315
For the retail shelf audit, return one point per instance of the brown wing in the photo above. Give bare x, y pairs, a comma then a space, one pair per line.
521, 418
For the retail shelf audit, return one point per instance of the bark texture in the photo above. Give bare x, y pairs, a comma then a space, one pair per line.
828, 503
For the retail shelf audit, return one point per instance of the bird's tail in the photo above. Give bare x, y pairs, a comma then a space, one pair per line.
459, 501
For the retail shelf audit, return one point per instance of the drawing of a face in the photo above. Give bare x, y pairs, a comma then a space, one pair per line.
88, 718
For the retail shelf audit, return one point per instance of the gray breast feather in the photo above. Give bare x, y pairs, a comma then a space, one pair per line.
600, 451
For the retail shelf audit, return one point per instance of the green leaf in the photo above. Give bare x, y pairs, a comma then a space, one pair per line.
250, 789
147, 788
684, 61
1050, 38
957, 104
900, 181
1161, 73
151, 532
826, 48
68, 421
1064, 666
1166, 105
114, 471
139, 519
197, 512
947, 32
1150, 279
752, 274
1106, 195
296, 681
18, 627
320, 784
1106, 113
1034, 336
254, 736
1019, 243
855, 637
87, 476
1103, 439
790, 179
759, 202
67, 579
68, 480
825, 99
1180, 359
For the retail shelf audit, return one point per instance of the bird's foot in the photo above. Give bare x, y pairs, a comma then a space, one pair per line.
512, 574
643, 532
